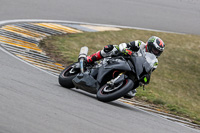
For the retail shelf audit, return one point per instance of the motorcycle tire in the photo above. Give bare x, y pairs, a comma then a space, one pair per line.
123, 90
65, 77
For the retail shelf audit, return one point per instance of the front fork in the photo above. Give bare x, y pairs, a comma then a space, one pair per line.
120, 78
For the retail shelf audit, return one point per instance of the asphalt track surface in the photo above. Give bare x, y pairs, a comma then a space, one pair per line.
170, 15
32, 101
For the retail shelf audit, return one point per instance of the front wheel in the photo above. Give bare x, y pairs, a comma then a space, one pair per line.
66, 76
107, 93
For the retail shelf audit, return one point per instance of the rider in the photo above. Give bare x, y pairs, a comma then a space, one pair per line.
154, 45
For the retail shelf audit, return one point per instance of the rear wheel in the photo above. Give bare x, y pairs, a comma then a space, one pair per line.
109, 93
66, 76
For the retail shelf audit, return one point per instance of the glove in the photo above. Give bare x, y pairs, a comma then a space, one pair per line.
126, 51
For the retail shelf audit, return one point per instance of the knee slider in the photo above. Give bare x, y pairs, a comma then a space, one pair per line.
108, 48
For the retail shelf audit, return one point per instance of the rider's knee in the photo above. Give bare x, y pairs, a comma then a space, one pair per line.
108, 48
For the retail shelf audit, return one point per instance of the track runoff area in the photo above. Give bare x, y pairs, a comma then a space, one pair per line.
21, 38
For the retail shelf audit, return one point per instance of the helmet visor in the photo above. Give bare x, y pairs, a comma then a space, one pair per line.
156, 52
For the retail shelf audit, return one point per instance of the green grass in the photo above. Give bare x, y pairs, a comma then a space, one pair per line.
174, 84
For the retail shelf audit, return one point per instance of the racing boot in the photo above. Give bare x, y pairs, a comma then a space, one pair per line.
130, 94
94, 57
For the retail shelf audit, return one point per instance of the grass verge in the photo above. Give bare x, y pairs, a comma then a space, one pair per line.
174, 85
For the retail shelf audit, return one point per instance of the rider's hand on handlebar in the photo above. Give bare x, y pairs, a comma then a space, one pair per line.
126, 51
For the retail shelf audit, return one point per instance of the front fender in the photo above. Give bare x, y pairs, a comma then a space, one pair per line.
110, 66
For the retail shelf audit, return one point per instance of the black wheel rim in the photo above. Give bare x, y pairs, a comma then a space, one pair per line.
107, 89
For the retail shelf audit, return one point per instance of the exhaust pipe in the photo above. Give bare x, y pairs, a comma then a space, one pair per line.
82, 56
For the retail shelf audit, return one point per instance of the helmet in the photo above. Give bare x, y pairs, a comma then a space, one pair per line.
155, 46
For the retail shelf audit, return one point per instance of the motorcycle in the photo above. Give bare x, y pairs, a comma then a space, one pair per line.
110, 78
